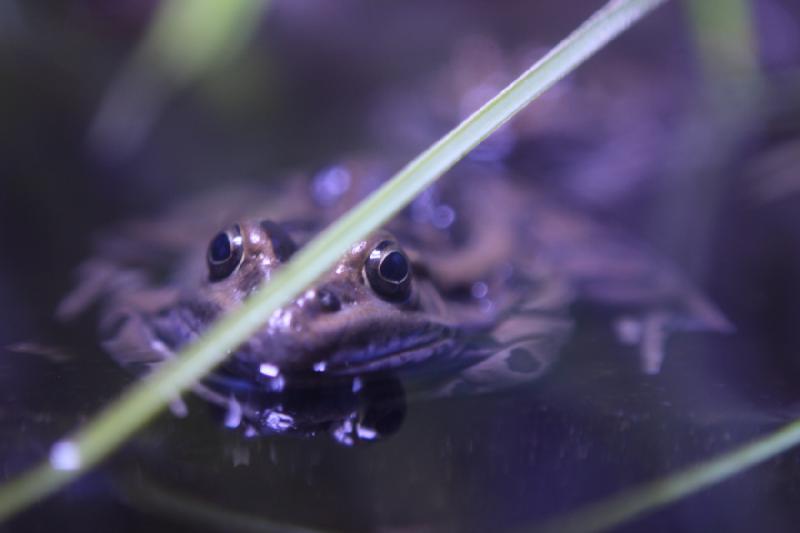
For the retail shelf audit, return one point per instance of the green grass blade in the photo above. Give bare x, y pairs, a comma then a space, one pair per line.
724, 34
146, 398
651, 496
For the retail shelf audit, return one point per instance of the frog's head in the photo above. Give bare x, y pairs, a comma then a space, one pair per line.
369, 312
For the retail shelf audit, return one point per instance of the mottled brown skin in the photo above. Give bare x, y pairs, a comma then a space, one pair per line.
348, 338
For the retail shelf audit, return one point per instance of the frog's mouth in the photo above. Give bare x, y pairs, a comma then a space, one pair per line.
254, 367
343, 347
348, 351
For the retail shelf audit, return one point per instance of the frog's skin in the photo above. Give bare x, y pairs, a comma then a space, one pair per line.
495, 266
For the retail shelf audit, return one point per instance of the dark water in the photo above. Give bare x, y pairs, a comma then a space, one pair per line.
297, 99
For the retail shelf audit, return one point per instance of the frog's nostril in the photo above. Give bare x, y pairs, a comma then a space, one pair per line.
328, 301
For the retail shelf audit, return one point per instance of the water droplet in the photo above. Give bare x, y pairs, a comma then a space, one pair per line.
64, 455
269, 370
329, 185
233, 416
365, 433
629, 330
479, 290
278, 421
277, 384
343, 433
443, 216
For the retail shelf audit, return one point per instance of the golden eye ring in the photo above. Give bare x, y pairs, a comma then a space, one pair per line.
388, 271
224, 253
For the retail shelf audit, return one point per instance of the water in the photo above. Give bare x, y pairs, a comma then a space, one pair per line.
593, 426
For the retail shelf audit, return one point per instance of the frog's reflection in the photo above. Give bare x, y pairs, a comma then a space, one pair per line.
353, 410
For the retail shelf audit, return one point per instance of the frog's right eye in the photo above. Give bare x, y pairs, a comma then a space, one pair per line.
224, 253
389, 272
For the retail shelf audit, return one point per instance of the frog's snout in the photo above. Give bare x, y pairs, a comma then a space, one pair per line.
322, 300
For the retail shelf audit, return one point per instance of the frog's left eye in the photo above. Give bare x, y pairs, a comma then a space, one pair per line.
224, 253
388, 271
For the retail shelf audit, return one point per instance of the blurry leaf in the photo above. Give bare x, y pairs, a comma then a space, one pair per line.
187, 42
724, 33
189, 38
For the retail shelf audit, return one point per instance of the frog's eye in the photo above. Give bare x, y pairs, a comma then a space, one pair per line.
224, 253
388, 271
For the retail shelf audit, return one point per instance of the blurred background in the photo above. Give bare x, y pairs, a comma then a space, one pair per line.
685, 130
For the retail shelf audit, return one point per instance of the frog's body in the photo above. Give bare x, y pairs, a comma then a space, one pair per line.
489, 269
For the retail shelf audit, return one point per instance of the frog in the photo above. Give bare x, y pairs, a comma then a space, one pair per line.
469, 290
